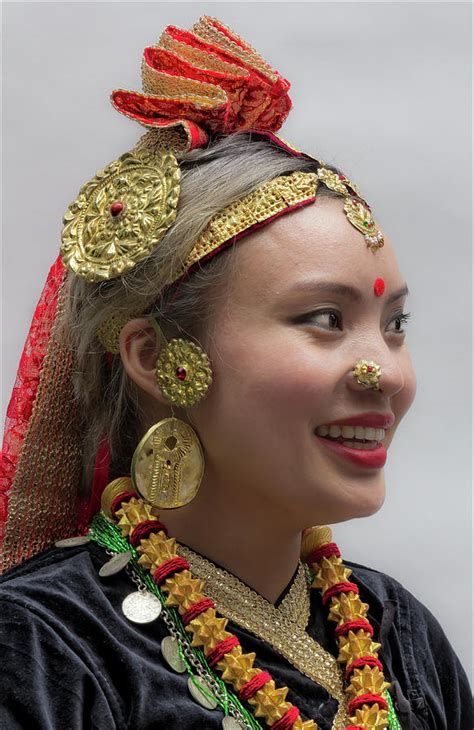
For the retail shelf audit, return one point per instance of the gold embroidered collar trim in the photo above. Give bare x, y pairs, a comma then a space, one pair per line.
283, 627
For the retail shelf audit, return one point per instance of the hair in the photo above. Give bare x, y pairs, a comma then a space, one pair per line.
211, 179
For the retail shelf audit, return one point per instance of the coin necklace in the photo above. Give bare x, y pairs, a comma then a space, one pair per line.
370, 704
204, 685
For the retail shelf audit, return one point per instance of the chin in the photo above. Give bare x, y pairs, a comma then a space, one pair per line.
371, 502
364, 503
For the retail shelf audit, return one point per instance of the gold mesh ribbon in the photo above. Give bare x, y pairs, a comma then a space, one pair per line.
42, 499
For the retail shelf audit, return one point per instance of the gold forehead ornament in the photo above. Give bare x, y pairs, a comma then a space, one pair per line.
357, 211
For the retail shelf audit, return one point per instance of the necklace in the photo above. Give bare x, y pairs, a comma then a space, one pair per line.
283, 628
164, 561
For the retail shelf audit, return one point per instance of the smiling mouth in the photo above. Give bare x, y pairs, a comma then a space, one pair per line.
353, 437
371, 454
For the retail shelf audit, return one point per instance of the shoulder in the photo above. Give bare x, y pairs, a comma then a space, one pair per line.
52, 586
45, 641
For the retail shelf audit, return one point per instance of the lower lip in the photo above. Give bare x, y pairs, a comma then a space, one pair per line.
371, 458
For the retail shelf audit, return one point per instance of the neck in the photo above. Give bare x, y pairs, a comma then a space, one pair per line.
245, 540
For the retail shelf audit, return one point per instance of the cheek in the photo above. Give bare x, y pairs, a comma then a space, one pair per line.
276, 381
403, 400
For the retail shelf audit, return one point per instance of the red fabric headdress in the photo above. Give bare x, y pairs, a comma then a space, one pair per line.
205, 82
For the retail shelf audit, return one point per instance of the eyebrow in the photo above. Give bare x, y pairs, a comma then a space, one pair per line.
345, 290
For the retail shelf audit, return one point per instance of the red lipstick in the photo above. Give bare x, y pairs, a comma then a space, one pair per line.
370, 458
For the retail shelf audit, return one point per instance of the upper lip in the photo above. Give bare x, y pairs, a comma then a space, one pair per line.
369, 420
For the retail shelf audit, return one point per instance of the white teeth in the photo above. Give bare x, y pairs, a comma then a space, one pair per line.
350, 432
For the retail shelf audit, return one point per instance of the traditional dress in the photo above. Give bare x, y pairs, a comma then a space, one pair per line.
71, 659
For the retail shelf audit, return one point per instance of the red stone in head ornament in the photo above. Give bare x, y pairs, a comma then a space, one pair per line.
205, 82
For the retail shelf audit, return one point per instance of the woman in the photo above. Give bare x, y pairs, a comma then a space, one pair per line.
216, 397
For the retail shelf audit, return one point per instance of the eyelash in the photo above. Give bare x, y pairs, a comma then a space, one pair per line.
402, 316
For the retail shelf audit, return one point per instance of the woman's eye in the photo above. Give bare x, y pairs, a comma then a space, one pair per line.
332, 314
334, 318
402, 318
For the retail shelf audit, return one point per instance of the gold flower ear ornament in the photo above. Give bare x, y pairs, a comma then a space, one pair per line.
121, 214
357, 211
183, 372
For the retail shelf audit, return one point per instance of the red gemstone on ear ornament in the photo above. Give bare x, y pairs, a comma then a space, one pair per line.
116, 208
181, 373
379, 287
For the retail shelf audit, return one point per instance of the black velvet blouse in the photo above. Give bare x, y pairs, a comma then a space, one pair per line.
70, 659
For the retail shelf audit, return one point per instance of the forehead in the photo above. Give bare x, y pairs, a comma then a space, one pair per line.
315, 242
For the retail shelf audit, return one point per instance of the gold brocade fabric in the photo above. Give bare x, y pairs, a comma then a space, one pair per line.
282, 627
42, 500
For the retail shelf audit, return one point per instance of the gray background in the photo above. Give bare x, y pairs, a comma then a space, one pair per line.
380, 89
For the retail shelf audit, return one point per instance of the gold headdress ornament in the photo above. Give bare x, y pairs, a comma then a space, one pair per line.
196, 84
121, 214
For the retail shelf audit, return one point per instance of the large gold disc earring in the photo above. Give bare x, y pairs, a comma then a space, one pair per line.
168, 464
367, 373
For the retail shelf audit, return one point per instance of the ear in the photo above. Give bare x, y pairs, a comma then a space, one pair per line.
140, 347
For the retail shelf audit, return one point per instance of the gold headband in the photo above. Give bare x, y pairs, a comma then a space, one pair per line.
121, 215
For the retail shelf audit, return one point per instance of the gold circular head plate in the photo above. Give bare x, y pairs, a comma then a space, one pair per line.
168, 464
183, 372
121, 214
368, 373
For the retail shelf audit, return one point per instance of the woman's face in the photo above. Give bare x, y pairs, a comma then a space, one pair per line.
282, 367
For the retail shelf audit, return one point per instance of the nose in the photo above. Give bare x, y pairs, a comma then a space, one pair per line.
390, 378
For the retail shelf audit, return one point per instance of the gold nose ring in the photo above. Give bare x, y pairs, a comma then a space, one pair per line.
367, 373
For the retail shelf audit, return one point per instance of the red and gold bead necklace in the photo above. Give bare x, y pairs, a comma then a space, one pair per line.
370, 706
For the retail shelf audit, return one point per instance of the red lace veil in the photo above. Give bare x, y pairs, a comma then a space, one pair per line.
196, 84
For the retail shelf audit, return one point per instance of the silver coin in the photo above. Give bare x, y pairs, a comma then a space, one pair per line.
141, 607
72, 541
170, 651
208, 702
230, 723
115, 564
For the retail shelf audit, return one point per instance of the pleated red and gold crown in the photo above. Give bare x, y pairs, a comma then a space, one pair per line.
204, 82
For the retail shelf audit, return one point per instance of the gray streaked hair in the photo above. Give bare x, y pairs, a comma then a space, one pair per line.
211, 179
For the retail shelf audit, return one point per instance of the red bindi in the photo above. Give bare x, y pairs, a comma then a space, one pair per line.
379, 287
